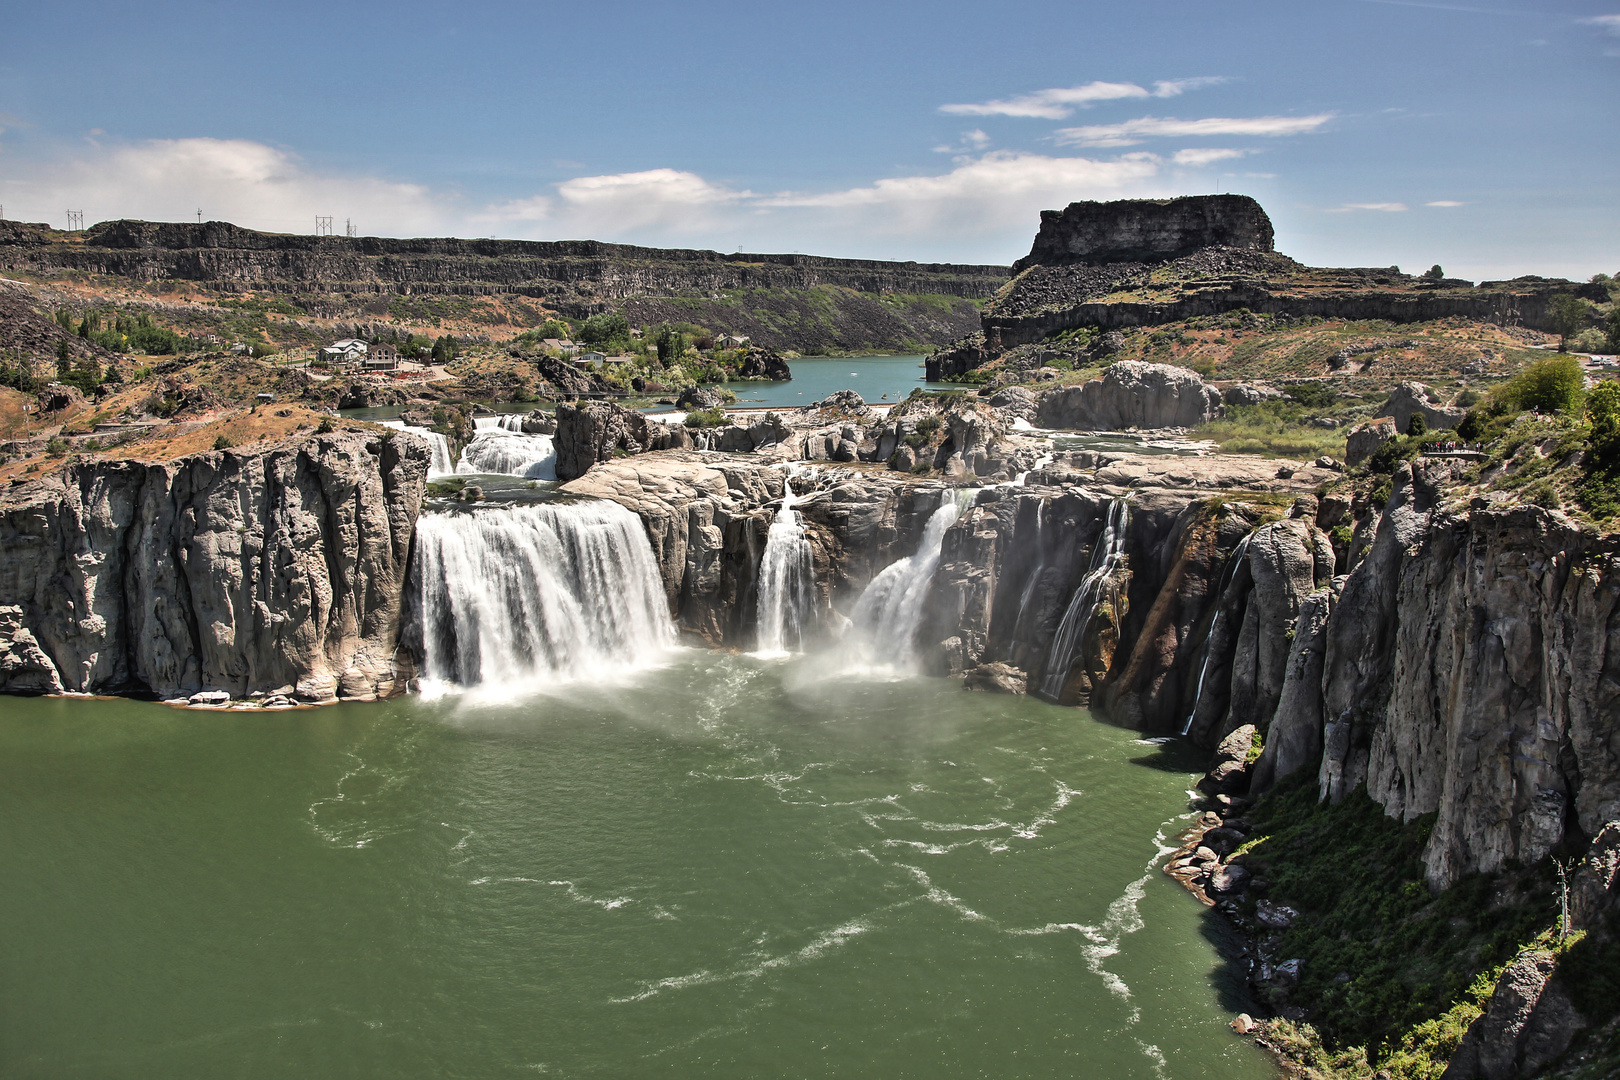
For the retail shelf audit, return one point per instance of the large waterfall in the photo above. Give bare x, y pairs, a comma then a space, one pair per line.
500, 446
784, 580
1106, 556
530, 594
441, 464
889, 612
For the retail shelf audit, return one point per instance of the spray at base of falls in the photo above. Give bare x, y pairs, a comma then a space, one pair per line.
1239, 553
1106, 557
501, 451
530, 595
784, 579
441, 464
890, 610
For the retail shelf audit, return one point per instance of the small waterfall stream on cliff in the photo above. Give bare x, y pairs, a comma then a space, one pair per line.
1238, 554
501, 447
523, 594
784, 579
441, 464
889, 612
1106, 556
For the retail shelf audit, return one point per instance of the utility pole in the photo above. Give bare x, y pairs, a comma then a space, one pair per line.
349, 229
199, 215
75, 221
323, 225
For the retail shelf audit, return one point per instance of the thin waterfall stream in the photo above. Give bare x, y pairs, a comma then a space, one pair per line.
1106, 557
784, 579
889, 611
440, 465
1239, 553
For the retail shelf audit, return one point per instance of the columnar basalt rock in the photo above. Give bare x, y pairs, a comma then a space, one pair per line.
275, 571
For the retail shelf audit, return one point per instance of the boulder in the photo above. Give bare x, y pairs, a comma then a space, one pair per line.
1016, 401
1229, 772
1228, 879
1274, 916
1412, 397
765, 364
210, 697
24, 666
996, 678
1248, 394
695, 397
1132, 394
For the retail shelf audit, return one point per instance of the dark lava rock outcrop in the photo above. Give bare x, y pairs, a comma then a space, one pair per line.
1143, 230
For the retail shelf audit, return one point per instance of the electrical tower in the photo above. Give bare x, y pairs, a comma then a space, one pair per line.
199, 215
323, 225
349, 229
75, 221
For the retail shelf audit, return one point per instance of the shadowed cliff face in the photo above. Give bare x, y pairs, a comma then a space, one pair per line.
1146, 230
273, 572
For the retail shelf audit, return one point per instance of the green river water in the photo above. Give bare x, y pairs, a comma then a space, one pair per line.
723, 868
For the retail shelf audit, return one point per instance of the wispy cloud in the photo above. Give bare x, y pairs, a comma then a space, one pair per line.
1056, 104
1382, 207
1445, 202
1204, 156
972, 141
982, 208
1135, 131
1608, 23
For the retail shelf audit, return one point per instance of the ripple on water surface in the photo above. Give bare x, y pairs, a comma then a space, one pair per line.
718, 867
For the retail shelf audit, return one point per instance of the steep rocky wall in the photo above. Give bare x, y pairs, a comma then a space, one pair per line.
277, 571
221, 253
1132, 394
1468, 667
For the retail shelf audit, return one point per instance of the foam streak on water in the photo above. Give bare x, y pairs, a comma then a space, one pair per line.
515, 596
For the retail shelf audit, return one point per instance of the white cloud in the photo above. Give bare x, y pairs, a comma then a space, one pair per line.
1204, 157
1132, 132
1055, 104
984, 208
1607, 23
229, 179
1385, 207
1445, 202
972, 141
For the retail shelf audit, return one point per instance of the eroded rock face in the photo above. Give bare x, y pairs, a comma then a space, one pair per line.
1411, 397
1132, 394
273, 571
594, 431
1365, 439
1147, 230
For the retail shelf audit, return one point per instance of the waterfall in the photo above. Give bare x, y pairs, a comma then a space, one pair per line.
536, 594
1238, 555
784, 579
440, 465
1106, 556
500, 422
889, 612
500, 450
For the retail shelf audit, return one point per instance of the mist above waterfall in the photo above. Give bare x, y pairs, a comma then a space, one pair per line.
513, 598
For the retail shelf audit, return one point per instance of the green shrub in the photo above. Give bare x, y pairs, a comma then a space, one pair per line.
56, 446
1550, 385
326, 427
706, 418
223, 442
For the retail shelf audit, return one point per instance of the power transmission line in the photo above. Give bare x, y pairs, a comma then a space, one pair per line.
75, 221
349, 229
323, 225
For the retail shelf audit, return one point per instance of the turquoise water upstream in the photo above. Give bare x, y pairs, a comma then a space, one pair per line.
723, 867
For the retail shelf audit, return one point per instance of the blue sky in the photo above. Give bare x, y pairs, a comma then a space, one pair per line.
1485, 137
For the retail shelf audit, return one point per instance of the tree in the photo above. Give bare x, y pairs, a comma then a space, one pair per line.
603, 328
444, 350
1434, 273
1612, 325
1603, 411
1551, 385
1566, 312
1416, 425
64, 359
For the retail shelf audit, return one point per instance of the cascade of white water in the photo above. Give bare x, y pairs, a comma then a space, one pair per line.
526, 594
784, 579
499, 422
503, 451
441, 464
1035, 575
1106, 556
889, 611
1239, 553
